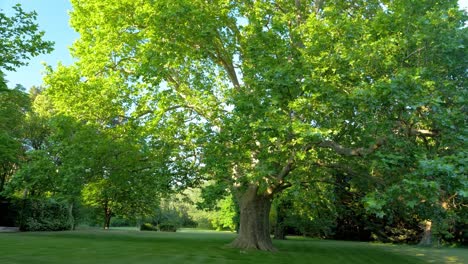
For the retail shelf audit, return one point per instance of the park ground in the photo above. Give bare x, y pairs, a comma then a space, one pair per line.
192, 246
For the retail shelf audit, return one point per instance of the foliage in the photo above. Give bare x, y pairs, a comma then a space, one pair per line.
225, 215
260, 96
83, 162
148, 227
444, 176
42, 215
14, 104
20, 39
170, 215
167, 227
299, 214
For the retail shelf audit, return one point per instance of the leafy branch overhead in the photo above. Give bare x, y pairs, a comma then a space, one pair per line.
20, 39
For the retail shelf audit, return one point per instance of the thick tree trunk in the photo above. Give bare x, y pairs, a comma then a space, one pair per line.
426, 239
254, 231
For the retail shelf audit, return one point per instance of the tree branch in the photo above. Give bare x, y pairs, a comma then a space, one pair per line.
225, 62
404, 126
286, 169
339, 149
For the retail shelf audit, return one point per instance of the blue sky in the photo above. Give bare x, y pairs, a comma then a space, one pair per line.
53, 19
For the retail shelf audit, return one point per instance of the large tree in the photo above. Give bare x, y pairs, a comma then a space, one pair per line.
262, 95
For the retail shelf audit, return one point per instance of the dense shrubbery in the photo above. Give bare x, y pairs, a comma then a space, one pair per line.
168, 218
148, 227
121, 221
164, 227
42, 215
167, 227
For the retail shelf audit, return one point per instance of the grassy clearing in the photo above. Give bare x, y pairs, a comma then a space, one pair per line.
128, 246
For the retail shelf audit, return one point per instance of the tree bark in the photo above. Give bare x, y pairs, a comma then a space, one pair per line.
254, 232
426, 239
71, 217
107, 216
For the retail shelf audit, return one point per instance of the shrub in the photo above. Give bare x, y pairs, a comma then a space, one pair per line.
167, 227
120, 221
148, 227
42, 215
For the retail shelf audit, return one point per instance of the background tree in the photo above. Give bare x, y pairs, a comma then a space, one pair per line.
20, 39
14, 104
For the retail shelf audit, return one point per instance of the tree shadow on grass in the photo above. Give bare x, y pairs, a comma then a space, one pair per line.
433, 255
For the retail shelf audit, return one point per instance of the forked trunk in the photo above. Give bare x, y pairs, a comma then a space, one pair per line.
254, 231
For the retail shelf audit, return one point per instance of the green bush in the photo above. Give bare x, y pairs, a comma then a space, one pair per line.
204, 223
148, 227
167, 227
42, 215
120, 221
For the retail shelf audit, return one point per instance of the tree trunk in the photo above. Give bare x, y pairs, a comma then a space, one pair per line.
254, 231
71, 217
2, 181
107, 215
426, 239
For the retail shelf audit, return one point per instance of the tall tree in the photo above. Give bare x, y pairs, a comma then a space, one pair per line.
20, 39
261, 93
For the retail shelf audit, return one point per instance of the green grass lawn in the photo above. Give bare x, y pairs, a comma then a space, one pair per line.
128, 246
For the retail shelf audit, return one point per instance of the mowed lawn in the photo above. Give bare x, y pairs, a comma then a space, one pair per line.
124, 246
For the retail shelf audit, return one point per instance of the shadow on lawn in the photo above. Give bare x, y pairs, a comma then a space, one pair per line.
137, 236
433, 255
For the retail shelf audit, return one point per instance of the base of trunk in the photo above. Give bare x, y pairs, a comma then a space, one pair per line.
426, 239
107, 219
254, 230
71, 217
248, 244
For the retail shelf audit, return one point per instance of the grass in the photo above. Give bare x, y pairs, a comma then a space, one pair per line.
130, 246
